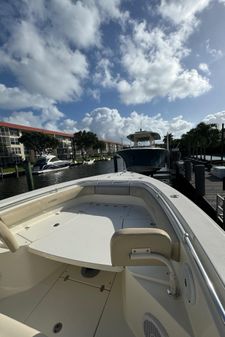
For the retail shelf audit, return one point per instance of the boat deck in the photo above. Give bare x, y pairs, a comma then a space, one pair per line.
72, 275
80, 235
81, 306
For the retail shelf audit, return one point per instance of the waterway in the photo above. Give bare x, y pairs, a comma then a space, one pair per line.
12, 186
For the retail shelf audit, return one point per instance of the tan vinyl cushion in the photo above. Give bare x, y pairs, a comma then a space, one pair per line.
128, 239
9, 327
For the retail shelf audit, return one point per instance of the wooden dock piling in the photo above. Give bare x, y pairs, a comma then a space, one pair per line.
115, 163
200, 179
29, 175
187, 169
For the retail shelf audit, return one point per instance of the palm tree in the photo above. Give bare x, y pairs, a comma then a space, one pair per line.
199, 140
207, 135
168, 140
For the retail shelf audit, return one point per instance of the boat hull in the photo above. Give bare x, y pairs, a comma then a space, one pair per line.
120, 254
50, 169
143, 160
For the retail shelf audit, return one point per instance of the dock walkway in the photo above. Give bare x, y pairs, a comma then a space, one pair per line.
213, 186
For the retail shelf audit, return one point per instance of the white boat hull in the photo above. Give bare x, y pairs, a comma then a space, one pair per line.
218, 171
115, 255
50, 170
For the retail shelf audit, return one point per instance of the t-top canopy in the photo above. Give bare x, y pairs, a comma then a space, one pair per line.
143, 136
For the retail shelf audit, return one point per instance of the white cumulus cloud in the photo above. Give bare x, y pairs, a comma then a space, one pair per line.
204, 68
16, 98
47, 118
107, 123
44, 43
216, 54
153, 62
41, 66
110, 124
217, 118
180, 11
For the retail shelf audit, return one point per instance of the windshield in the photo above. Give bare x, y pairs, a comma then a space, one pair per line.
41, 161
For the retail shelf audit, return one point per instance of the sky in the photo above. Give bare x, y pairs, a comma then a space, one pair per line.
112, 67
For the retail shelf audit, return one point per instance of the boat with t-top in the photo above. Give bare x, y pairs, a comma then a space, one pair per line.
144, 156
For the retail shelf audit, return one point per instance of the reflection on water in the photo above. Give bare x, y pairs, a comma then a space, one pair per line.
12, 186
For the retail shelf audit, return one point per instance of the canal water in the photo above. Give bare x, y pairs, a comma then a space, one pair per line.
12, 186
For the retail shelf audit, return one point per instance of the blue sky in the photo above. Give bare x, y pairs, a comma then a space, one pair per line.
112, 66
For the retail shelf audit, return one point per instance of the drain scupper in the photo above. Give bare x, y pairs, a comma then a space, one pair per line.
57, 327
89, 272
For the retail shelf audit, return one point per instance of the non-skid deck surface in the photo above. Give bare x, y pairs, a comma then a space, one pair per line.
83, 307
81, 235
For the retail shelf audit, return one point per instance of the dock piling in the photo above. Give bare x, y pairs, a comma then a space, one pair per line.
200, 179
223, 183
187, 169
17, 171
29, 175
115, 164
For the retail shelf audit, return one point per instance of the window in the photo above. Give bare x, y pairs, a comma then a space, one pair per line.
16, 150
14, 141
54, 159
4, 131
14, 132
5, 141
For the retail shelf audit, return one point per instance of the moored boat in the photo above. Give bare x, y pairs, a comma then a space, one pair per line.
142, 158
49, 163
114, 255
88, 161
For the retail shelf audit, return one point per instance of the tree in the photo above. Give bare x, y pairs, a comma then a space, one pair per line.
168, 138
99, 145
84, 141
200, 140
39, 142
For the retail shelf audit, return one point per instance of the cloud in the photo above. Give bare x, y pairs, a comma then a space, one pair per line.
47, 46
179, 126
42, 66
215, 53
204, 68
27, 118
77, 22
68, 125
80, 21
47, 118
217, 118
44, 43
109, 124
152, 60
151, 57
104, 75
180, 11
16, 98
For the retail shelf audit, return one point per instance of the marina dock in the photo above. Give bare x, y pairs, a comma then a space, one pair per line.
213, 186
203, 188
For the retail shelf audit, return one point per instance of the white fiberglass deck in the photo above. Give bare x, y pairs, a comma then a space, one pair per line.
81, 235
